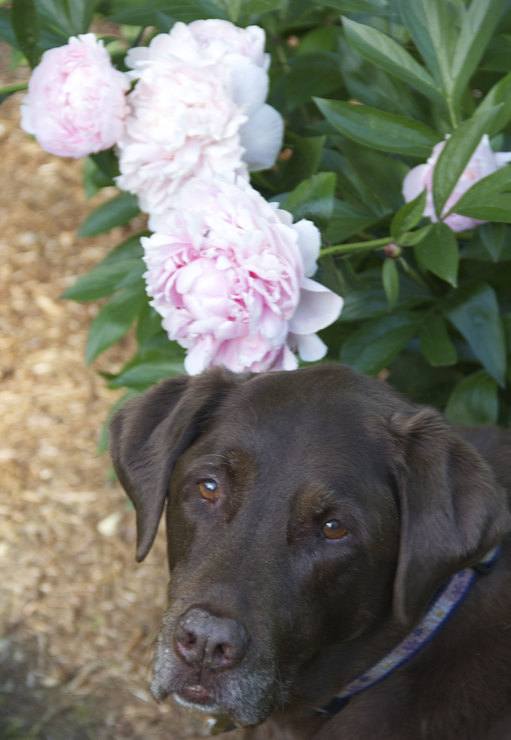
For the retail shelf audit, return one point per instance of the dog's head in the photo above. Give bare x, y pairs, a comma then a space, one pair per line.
304, 509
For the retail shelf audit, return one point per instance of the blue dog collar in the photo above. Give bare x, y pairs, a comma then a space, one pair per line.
439, 611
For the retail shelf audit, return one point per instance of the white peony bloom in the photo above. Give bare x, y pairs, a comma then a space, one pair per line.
197, 110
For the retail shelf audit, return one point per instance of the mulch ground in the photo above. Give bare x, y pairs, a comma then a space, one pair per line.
78, 616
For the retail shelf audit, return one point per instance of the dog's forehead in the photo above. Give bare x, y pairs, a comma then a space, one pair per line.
290, 407
304, 424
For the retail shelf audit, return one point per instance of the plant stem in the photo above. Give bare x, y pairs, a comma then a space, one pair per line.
13, 88
355, 246
139, 37
452, 112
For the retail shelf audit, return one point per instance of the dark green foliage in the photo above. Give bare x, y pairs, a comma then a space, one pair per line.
367, 88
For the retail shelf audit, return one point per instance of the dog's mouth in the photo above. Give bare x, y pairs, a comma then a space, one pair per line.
197, 697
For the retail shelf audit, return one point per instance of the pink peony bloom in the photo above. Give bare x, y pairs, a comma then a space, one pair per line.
189, 109
230, 275
76, 99
482, 163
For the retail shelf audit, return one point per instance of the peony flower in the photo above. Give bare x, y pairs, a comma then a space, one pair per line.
217, 38
197, 110
230, 275
76, 99
482, 163
261, 135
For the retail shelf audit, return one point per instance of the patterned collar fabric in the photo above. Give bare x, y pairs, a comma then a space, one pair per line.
434, 618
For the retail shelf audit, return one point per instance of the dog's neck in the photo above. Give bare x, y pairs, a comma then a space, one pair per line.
438, 612
441, 607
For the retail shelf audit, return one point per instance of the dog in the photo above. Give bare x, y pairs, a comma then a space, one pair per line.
313, 517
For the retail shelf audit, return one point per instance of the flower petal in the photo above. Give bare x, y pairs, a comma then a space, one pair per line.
249, 82
310, 347
261, 137
318, 307
309, 242
414, 182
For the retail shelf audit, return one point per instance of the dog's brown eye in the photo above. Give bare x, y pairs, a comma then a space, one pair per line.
208, 489
333, 530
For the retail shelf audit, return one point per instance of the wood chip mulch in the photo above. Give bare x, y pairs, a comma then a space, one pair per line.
78, 616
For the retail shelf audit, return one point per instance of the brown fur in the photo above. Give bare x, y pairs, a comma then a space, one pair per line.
300, 616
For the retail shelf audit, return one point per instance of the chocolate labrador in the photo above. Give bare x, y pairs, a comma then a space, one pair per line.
317, 524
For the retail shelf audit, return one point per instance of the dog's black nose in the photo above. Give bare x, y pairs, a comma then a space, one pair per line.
217, 643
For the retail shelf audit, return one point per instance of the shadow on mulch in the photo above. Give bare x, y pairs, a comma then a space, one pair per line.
32, 712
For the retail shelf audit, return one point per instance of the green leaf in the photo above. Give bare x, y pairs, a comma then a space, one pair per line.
321, 38
313, 199
259, 7
378, 130
433, 34
474, 401
107, 162
408, 216
149, 324
373, 7
317, 73
476, 249
497, 57
147, 374
374, 87
6, 30
330, 276
488, 199
377, 177
492, 236
375, 345
438, 252
115, 212
435, 342
114, 320
506, 320
456, 154
358, 182
93, 178
27, 28
499, 93
157, 348
352, 283
132, 12
105, 279
368, 300
386, 53
129, 248
416, 236
72, 16
347, 220
390, 280
304, 163
479, 22
474, 312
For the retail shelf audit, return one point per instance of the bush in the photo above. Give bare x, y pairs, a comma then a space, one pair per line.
367, 88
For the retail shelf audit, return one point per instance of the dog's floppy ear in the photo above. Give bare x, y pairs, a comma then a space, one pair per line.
453, 512
150, 432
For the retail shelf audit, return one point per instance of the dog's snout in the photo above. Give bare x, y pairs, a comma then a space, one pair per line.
217, 643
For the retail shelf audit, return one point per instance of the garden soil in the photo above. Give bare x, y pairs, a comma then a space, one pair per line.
78, 616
